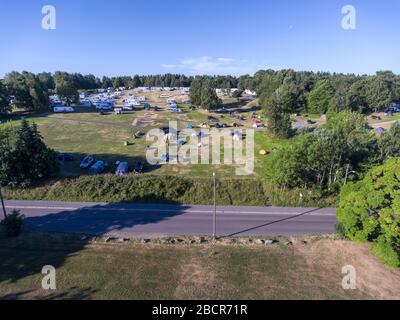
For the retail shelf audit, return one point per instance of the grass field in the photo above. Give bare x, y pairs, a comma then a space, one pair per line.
104, 136
132, 270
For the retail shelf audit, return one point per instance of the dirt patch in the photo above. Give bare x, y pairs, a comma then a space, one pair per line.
373, 278
147, 120
386, 125
194, 276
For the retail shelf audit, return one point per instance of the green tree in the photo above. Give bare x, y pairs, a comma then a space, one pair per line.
4, 99
356, 96
65, 87
195, 92
24, 157
381, 90
327, 157
209, 98
28, 91
47, 81
369, 211
279, 122
389, 143
319, 99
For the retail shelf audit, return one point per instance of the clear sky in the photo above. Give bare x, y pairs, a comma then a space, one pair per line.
127, 37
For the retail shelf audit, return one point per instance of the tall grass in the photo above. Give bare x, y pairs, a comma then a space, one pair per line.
169, 189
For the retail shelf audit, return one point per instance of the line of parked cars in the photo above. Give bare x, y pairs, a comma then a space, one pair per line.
98, 167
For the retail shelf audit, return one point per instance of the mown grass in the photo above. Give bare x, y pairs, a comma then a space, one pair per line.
104, 137
212, 271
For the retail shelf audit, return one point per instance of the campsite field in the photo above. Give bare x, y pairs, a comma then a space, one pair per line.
132, 270
104, 136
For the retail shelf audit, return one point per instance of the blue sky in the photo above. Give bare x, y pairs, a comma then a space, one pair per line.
126, 37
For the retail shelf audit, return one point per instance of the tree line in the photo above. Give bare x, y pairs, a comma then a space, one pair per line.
311, 92
30, 92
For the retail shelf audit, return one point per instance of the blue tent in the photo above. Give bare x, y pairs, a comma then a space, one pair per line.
189, 126
380, 129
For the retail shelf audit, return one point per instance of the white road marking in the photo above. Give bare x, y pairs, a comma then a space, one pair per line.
313, 213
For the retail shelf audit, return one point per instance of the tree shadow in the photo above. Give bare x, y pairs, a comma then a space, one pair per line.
53, 235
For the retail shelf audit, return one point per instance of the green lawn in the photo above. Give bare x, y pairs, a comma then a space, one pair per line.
154, 271
104, 136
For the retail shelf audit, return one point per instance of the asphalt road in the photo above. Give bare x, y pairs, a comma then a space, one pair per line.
136, 220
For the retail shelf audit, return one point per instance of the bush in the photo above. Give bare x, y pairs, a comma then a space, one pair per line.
13, 223
386, 252
369, 211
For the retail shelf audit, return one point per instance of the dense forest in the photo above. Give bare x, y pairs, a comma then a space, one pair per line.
285, 90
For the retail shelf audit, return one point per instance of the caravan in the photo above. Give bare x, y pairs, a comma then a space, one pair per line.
104, 105
63, 109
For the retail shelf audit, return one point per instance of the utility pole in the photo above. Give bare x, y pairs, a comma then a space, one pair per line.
347, 173
215, 208
2, 204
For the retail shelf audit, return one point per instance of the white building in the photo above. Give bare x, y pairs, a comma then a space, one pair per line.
250, 92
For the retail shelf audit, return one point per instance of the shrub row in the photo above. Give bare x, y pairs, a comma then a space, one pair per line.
146, 189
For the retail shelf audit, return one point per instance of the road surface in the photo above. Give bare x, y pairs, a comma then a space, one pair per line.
139, 220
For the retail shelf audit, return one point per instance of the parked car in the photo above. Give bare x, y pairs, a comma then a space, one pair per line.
123, 168
87, 162
65, 157
139, 166
98, 167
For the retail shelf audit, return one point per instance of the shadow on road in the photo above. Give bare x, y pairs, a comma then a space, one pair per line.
271, 223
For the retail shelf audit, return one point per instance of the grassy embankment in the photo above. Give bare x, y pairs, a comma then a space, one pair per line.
131, 270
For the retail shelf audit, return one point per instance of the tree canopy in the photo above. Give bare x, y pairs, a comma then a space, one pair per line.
4, 99
203, 94
24, 157
326, 157
27, 90
369, 211
320, 98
